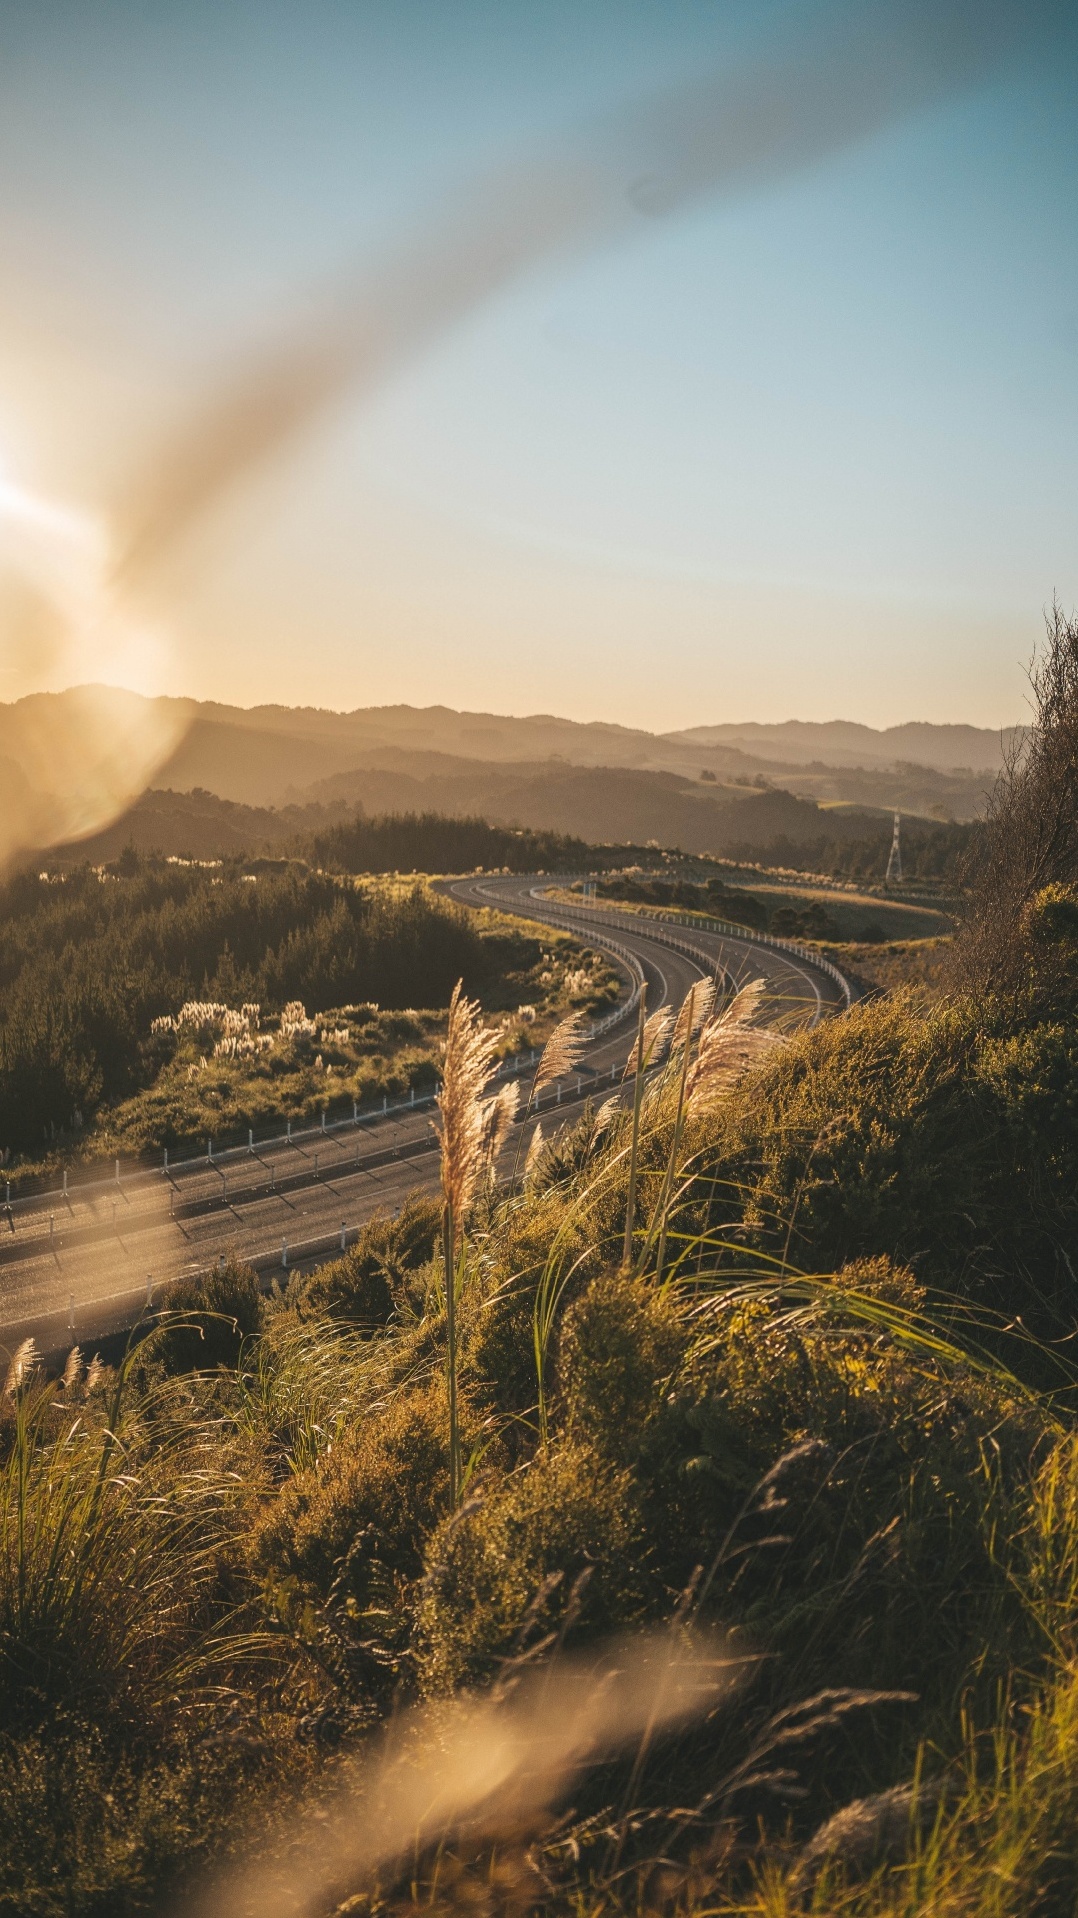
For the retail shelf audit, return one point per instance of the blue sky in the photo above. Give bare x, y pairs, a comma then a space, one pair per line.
802, 447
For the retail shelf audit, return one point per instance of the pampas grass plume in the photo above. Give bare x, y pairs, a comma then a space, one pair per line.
729, 1045
464, 1124
695, 1009
535, 1151
561, 1052
22, 1368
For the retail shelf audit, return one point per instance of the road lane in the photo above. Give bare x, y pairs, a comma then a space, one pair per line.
86, 1257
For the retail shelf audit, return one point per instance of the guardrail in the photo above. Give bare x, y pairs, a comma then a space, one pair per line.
729, 930
283, 1256
135, 1176
725, 927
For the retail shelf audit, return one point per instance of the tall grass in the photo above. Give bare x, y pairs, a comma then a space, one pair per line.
472, 1130
111, 1528
536, 1445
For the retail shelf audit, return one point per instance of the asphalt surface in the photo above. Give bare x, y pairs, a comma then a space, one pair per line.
80, 1266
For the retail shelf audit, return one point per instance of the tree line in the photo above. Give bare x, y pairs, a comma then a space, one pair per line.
87, 961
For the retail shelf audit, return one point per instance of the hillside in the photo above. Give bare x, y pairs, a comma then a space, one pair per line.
514, 768
840, 743
597, 805
274, 754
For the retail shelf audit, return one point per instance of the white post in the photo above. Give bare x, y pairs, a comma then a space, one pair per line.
355, 1112
284, 1252
323, 1118
71, 1315
288, 1129
117, 1171
344, 1235
413, 1095
209, 1150
250, 1138
166, 1162
558, 1089
65, 1182
52, 1224
385, 1102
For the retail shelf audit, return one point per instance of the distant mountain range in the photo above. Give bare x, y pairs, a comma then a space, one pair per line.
841, 742
274, 755
709, 788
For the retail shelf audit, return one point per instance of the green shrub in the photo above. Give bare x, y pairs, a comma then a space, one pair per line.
90, 1832
843, 1496
206, 1320
929, 1136
556, 1545
620, 1344
357, 1523
378, 1278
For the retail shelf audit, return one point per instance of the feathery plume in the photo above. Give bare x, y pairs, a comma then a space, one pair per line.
695, 1008
729, 1045
95, 1371
72, 1370
463, 1127
608, 1112
22, 1368
656, 1032
535, 1151
561, 1052
498, 1116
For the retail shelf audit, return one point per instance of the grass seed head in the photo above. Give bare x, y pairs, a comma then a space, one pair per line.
561, 1052
498, 1116
464, 1127
23, 1366
656, 1032
695, 1009
534, 1154
729, 1045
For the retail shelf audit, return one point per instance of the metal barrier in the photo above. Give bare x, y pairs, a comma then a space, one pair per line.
141, 1176
725, 927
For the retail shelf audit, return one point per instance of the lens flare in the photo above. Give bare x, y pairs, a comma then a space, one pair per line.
489, 1767
70, 760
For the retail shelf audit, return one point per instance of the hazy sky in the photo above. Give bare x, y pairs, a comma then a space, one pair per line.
799, 443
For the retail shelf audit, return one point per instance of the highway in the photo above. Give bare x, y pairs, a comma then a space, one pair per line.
77, 1266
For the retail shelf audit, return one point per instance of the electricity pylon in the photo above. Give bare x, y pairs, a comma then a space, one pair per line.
894, 862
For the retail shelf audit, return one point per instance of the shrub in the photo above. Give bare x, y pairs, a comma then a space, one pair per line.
356, 1524
379, 1277
931, 1137
620, 1343
207, 1319
557, 1544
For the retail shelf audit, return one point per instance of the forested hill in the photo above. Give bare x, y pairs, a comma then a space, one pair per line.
768, 826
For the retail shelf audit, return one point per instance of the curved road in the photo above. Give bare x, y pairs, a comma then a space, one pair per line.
77, 1267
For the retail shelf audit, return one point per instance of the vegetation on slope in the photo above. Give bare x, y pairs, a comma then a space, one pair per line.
822, 1410
89, 962
430, 842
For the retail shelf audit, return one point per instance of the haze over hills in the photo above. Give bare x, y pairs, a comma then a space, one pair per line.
842, 742
273, 755
697, 789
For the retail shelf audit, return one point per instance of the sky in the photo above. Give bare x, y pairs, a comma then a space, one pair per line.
719, 422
